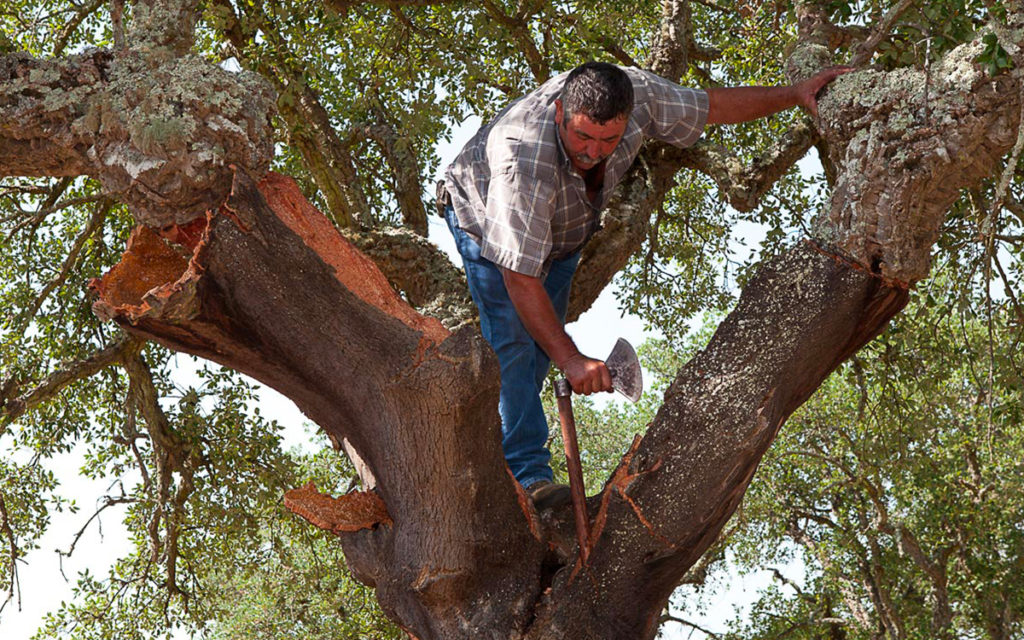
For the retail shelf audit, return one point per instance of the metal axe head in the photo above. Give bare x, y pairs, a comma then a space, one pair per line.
624, 366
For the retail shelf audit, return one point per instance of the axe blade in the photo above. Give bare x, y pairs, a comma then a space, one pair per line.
624, 366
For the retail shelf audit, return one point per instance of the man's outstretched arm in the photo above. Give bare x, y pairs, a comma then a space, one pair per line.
533, 305
741, 104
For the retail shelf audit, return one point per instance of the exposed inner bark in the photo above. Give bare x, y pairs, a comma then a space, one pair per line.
418, 407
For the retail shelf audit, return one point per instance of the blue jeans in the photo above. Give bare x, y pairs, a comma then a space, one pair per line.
524, 365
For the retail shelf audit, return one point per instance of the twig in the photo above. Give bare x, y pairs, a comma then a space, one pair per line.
108, 501
15, 583
867, 48
95, 223
668, 617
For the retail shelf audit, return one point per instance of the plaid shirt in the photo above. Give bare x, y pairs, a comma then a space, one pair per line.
513, 186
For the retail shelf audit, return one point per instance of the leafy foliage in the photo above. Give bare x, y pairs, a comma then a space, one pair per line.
890, 504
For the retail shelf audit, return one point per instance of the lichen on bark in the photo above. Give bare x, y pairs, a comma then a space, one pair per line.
160, 133
905, 143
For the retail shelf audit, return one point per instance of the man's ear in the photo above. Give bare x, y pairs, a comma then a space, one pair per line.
559, 111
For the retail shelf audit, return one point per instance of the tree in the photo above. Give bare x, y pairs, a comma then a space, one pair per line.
231, 263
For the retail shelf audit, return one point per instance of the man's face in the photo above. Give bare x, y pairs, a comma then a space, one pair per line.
587, 142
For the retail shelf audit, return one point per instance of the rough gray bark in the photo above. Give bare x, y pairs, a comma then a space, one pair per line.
158, 133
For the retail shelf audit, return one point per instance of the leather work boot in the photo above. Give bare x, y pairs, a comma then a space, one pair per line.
548, 495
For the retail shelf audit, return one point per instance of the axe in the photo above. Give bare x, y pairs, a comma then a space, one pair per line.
624, 366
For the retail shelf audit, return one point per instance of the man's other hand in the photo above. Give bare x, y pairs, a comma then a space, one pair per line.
587, 375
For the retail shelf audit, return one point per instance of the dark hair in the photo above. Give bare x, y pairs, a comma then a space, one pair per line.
598, 90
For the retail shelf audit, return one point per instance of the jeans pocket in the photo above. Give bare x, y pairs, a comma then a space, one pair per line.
468, 248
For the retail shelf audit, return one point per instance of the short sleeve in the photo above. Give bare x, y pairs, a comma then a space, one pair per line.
669, 112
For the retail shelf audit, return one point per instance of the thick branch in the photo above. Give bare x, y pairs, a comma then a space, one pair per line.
816, 40
672, 44
802, 315
12, 406
274, 291
897, 178
162, 137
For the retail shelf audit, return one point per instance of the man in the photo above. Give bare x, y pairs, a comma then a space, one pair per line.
523, 197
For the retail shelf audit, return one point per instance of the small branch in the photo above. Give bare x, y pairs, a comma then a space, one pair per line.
13, 407
867, 48
36, 219
108, 501
14, 586
172, 454
95, 224
1009, 289
1012, 205
53, 195
117, 22
619, 53
744, 185
519, 28
72, 25
401, 158
703, 54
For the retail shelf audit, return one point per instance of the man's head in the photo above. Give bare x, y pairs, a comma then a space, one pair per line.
592, 112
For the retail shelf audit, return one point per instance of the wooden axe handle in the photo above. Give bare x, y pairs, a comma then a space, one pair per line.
572, 460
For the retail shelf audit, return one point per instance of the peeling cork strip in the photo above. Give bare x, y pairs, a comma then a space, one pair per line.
347, 513
353, 269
